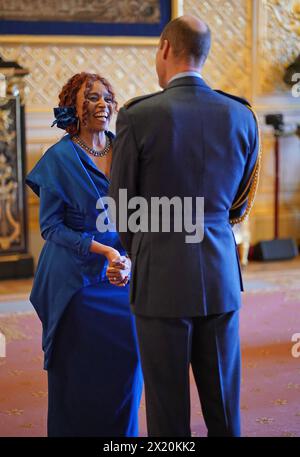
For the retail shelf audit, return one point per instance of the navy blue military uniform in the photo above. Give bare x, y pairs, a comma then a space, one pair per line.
187, 140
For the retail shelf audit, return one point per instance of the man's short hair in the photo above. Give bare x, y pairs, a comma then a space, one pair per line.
186, 42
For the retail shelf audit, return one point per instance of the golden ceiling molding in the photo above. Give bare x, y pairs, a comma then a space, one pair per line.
79, 40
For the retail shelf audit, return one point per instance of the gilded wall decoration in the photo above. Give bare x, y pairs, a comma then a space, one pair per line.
132, 68
229, 64
278, 42
253, 41
51, 66
10, 220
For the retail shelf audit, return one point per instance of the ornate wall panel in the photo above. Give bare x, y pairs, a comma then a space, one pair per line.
253, 40
229, 64
277, 30
12, 230
278, 42
130, 69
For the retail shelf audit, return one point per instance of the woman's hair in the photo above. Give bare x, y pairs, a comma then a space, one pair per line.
68, 94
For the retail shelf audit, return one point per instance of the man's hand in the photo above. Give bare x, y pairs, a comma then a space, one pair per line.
118, 271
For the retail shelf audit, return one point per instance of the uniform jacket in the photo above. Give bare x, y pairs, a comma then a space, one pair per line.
187, 140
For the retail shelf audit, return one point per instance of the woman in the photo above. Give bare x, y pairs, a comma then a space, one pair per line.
94, 376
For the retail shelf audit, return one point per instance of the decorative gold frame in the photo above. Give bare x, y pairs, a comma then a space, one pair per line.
176, 10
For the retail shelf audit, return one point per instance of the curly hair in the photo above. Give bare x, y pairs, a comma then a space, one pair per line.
68, 94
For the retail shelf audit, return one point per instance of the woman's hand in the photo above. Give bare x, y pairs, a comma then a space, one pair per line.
118, 266
112, 255
118, 271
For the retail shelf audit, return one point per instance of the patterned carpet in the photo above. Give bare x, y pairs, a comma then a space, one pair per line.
271, 375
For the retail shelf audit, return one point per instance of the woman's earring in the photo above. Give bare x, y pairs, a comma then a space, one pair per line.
78, 124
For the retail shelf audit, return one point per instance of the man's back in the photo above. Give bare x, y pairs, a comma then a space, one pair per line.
191, 142
187, 141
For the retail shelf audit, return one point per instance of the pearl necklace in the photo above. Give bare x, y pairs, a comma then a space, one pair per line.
92, 151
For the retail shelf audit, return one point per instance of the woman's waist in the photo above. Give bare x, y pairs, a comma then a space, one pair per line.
80, 220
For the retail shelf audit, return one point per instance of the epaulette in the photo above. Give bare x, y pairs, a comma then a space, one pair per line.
244, 101
134, 100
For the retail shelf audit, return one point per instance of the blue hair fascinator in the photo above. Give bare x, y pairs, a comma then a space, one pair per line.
64, 116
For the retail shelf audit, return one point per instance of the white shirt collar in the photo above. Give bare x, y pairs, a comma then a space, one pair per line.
185, 73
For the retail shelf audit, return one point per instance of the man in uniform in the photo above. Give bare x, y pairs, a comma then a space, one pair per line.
187, 141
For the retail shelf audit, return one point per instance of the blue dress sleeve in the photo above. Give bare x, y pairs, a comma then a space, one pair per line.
53, 228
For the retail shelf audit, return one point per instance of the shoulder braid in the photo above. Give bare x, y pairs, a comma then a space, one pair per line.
250, 191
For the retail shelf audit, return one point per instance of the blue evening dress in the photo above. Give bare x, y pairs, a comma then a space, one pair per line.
89, 336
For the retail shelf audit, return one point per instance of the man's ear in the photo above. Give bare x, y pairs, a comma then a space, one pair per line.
165, 49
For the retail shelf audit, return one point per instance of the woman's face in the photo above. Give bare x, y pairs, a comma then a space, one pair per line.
99, 107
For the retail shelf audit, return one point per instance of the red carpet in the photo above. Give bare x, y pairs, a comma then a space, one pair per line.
271, 376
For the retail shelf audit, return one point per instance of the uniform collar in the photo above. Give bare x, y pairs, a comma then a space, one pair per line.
188, 81
183, 74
